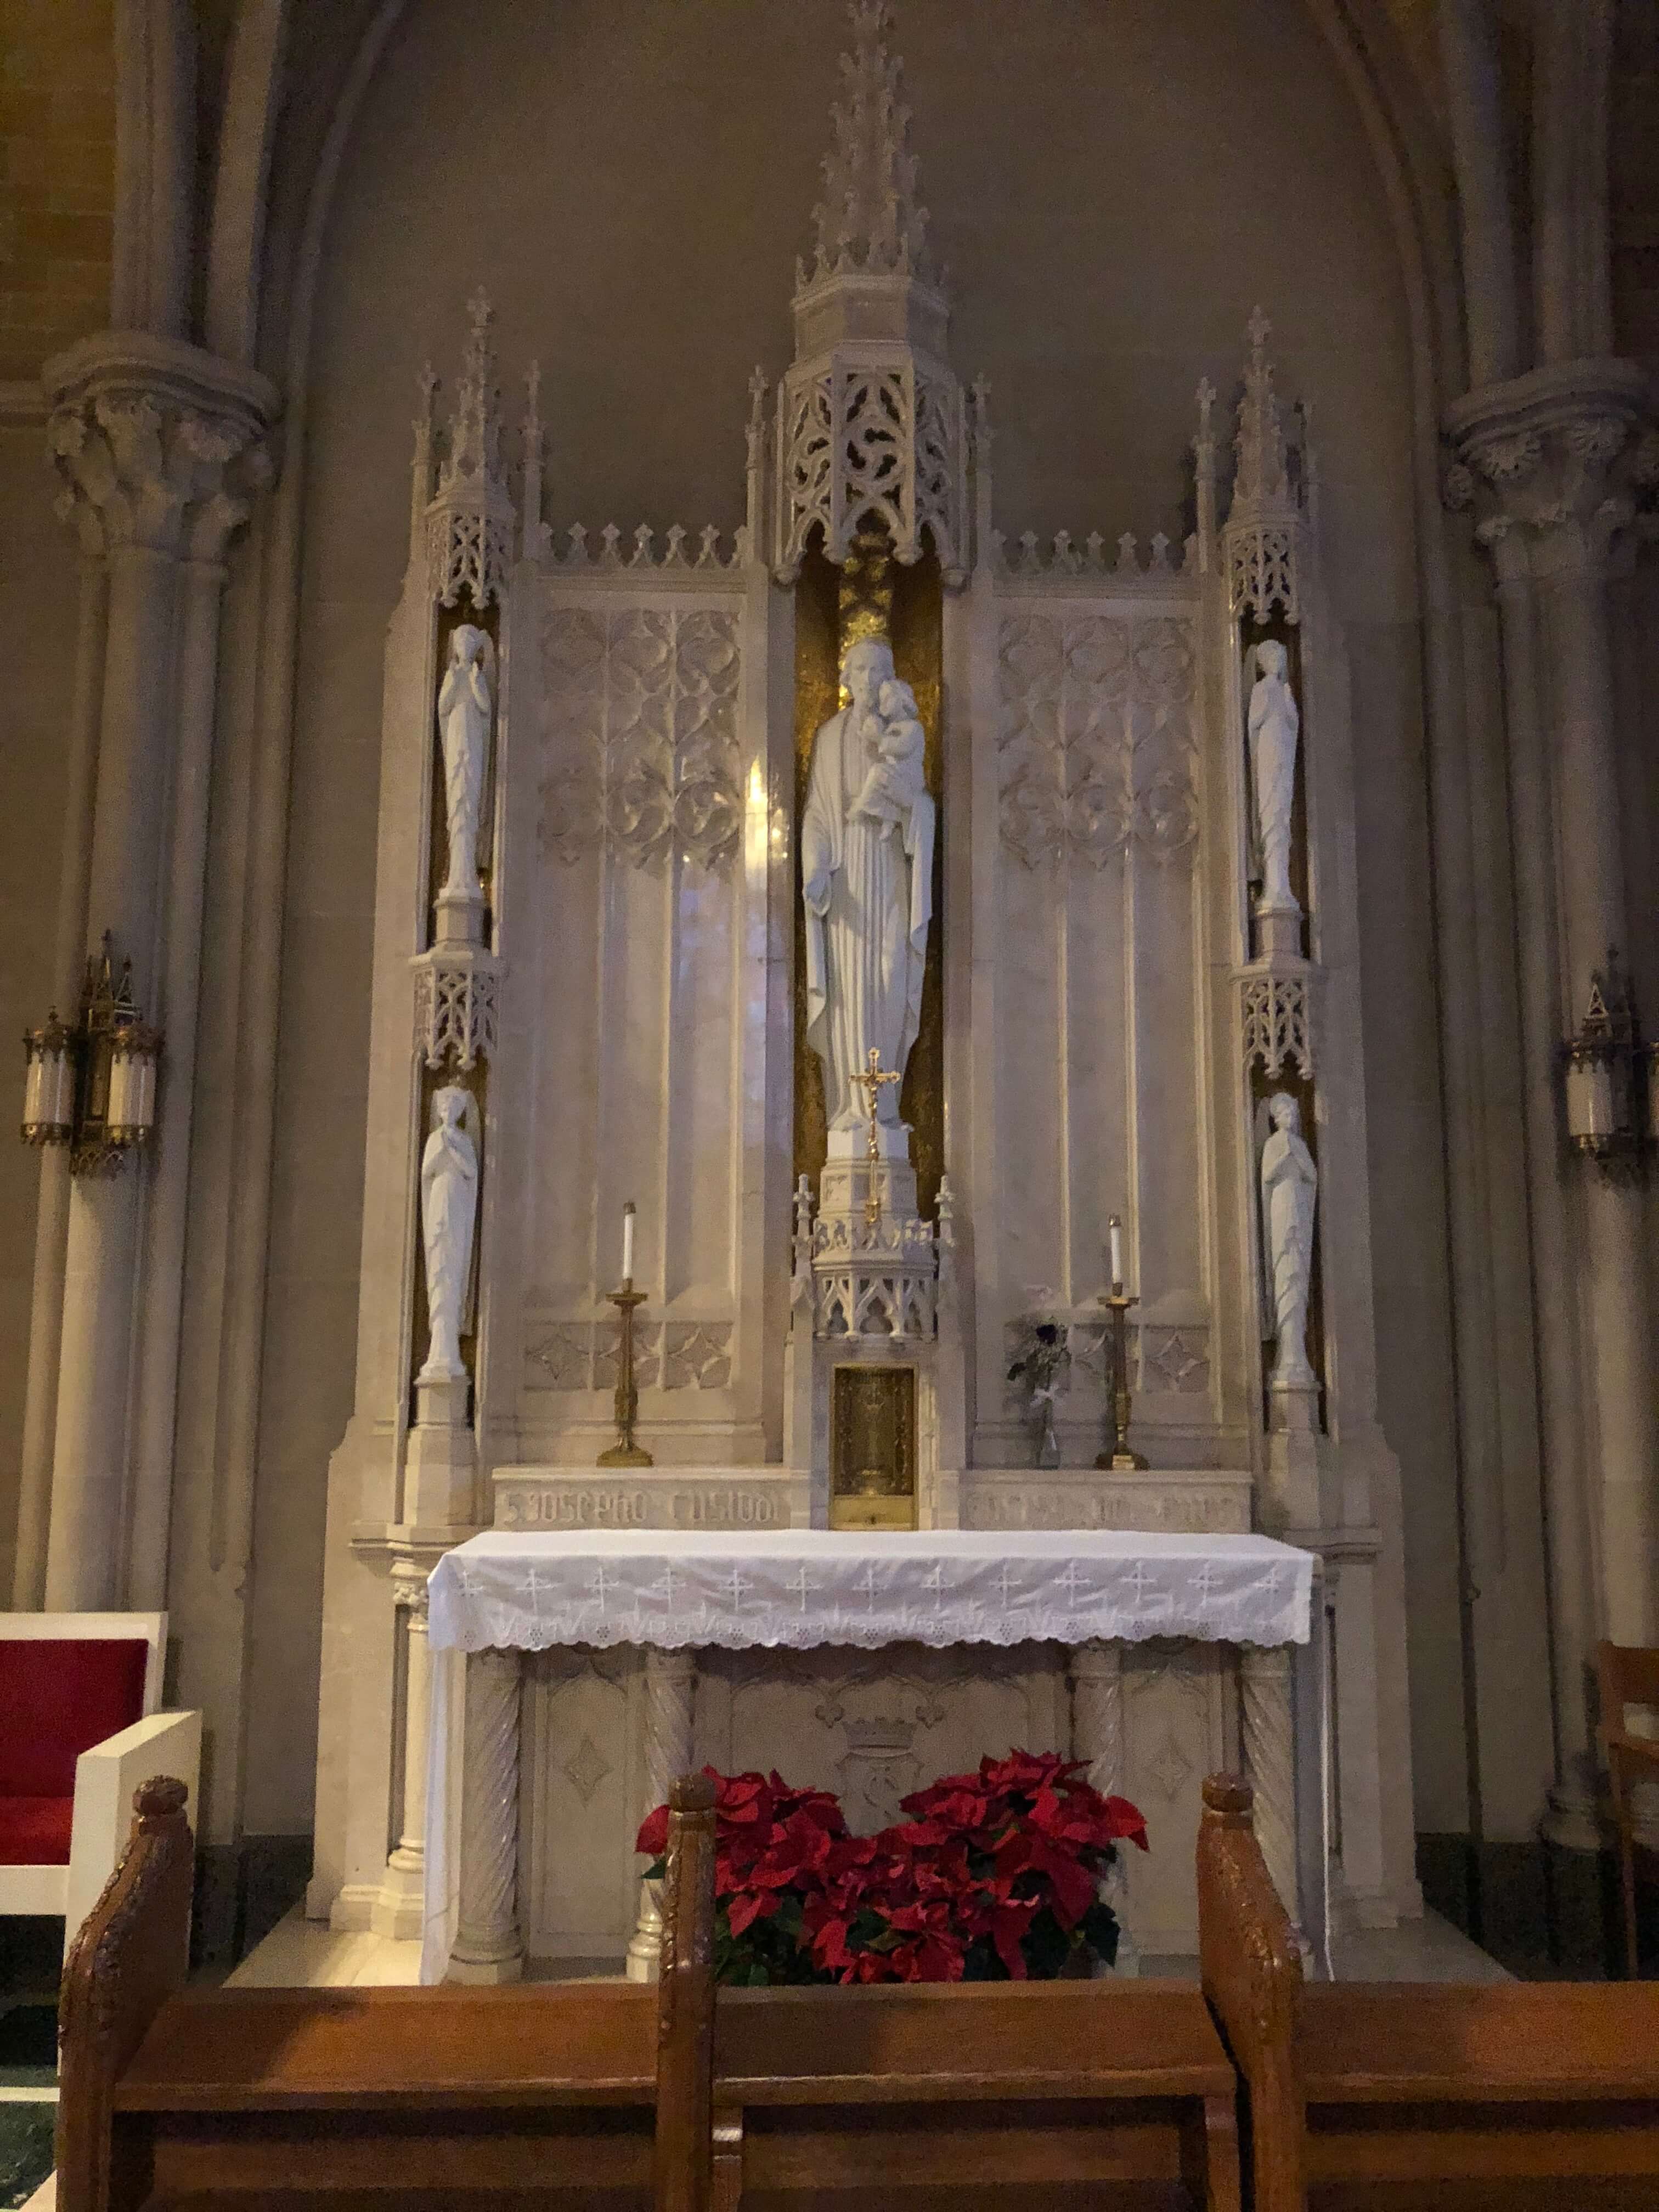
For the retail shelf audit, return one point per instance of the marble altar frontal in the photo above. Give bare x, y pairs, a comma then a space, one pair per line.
755, 1649
919, 928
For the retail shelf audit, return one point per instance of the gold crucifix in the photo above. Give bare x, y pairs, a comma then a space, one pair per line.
870, 1083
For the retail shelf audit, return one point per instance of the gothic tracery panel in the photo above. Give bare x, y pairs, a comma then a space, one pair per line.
1098, 954
642, 1013
1096, 746
640, 720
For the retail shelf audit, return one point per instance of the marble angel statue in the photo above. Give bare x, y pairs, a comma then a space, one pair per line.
868, 892
1273, 723
1290, 1187
466, 702
449, 1213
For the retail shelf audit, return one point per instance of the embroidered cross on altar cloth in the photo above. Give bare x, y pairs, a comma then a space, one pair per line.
798, 1588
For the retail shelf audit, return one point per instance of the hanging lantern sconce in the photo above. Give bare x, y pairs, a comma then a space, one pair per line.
1603, 1063
92, 1087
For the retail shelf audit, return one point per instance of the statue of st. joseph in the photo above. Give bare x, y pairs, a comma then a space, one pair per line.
867, 882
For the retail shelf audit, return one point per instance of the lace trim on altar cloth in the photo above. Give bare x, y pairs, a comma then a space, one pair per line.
673, 1591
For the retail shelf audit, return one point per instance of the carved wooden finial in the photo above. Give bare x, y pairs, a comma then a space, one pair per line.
1229, 1796
159, 1799
692, 1792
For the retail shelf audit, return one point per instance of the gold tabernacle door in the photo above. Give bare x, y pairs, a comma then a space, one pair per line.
873, 1448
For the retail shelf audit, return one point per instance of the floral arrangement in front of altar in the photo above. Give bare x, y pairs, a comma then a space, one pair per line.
1042, 1356
995, 1876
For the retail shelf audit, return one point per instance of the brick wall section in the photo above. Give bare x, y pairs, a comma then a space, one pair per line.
57, 175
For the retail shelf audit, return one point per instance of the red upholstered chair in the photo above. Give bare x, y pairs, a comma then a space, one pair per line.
79, 1731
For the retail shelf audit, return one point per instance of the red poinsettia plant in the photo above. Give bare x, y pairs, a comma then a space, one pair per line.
995, 1876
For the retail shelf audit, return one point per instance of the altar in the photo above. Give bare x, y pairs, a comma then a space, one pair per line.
865, 1047
1074, 1602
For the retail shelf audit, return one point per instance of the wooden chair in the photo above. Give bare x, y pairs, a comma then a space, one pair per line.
1410, 2094
1629, 1675
338, 2099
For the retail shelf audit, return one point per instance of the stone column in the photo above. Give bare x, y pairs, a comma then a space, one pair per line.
1571, 564
1096, 1678
1469, 56
1548, 455
671, 1683
51, 1219
400, 1909
202, 578
1096, 1675
488, 1942
1545, 1016
151, 434
1269, 1747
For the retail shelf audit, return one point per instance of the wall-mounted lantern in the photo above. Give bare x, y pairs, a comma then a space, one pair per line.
92, 1087
1602, 1062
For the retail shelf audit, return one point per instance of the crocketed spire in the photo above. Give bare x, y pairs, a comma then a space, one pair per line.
870, 220
475, 435
1260, 480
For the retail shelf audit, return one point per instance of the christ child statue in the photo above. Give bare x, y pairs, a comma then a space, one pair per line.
896, 778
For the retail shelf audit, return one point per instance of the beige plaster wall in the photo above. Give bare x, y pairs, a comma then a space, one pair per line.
57, 175
1113, 189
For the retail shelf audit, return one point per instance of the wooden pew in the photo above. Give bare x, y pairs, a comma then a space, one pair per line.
998, 2095
343, 2099
1397, 2094
978, 2096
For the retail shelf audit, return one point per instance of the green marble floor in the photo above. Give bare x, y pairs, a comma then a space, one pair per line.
25, 2151
30, 1954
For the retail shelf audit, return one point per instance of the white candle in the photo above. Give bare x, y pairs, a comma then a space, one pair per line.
1117, 1253
628, 1241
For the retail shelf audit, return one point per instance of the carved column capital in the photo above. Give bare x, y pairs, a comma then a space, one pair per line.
1552, 464
409, 1590
160, 445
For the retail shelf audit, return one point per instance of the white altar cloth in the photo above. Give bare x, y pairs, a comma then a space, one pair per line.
797, 1588
672, 1588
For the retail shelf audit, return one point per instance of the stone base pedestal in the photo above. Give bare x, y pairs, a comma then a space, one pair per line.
1297, 1462
441, 1463
1293, 1407
1279, 933
460, 916
1571, 1819
644, 1960
399, 1909
849, 1175
484, 1973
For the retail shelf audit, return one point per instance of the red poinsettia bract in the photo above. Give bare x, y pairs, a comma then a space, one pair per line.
994, 1874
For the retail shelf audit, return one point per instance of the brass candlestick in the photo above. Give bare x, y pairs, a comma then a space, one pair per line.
1117, 1453
625, 1452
